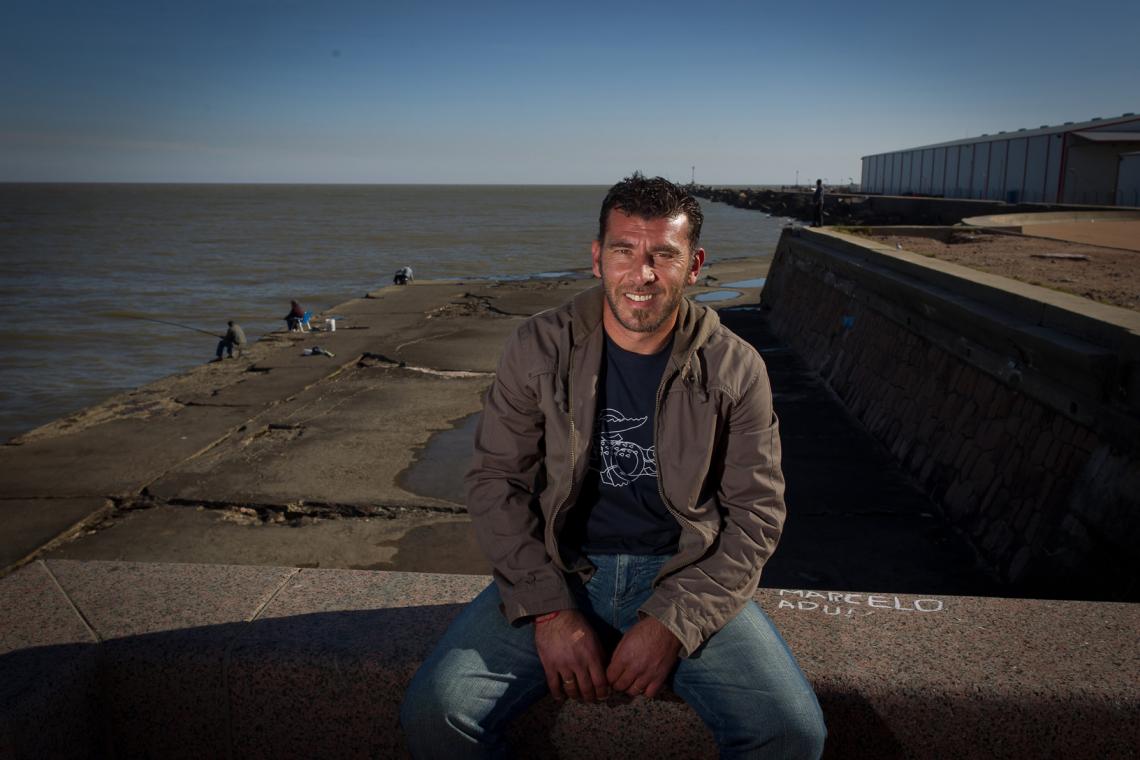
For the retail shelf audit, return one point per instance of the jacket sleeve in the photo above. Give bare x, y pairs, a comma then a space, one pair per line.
698, 600
502, 491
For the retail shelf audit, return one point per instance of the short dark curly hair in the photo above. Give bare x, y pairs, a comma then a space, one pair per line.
656, 198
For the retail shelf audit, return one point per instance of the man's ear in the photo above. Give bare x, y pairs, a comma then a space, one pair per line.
695, 264
596, 252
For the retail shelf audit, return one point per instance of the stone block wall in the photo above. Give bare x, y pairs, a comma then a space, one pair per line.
1050, 499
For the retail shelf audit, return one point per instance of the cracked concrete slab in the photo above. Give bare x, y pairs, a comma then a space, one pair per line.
115, 458
259, 390
343, 442
331, 430
276, 428
37, 522
519, 299
412, 541
278, 444
464, 348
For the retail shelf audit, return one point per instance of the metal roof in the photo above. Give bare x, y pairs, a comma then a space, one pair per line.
1109, 136
1042, 130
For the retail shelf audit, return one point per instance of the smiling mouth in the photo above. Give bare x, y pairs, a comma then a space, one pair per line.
639, 297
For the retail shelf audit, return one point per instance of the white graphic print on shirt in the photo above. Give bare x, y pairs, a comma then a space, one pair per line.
617, 461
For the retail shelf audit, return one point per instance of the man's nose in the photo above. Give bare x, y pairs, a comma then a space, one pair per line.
643, 271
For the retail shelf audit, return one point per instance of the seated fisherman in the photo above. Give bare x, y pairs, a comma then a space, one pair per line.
234, 336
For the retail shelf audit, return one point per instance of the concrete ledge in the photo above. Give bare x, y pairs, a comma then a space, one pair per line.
1076, 356
1108, 326
1023, 220
128, 659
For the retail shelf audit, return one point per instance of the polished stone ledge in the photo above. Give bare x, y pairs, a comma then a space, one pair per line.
166, 660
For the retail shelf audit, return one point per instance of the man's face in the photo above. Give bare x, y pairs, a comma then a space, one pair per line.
645, 265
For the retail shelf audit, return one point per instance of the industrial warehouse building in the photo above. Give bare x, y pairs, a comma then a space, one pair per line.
1093, 162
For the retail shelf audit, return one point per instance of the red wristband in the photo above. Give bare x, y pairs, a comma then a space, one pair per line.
546, 618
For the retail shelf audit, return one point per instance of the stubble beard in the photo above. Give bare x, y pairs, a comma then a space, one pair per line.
644, 320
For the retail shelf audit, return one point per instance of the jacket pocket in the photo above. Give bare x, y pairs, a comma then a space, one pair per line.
687, 444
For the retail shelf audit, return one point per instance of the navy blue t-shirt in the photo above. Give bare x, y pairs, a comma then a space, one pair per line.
620, 510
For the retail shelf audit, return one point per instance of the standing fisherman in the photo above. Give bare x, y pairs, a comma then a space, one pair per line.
817, 204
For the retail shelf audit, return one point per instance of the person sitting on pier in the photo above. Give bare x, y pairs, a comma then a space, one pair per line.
295, 317
234, 336
626, 488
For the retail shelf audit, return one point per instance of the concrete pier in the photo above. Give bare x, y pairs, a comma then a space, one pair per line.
356, 461
192, 567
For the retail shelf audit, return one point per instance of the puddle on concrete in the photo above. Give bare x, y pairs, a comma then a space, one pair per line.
717, 295
756, 282
439, 469
447, 546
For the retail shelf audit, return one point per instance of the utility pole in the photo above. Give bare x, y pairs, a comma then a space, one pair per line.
693, 175
797, 177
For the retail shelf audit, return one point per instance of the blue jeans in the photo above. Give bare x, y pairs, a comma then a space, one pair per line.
743, 682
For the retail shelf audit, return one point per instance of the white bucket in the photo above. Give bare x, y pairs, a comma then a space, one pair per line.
330, 325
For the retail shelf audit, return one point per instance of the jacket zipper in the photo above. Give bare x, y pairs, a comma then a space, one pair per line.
684, 521
573, 455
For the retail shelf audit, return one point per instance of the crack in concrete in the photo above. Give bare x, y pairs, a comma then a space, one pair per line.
209, 405
290, 513
421, 340
369, 360
65, 497
84, 525
471, 305
247, 424
71, 602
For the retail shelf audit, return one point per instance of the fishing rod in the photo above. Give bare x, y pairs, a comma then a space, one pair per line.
174, 324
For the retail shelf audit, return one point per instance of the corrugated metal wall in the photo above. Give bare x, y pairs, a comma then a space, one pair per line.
1015, 168
1128, 180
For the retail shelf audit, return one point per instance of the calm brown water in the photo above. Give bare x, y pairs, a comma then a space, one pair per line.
76, 257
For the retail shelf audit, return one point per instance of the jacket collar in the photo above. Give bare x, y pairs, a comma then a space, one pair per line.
695, 323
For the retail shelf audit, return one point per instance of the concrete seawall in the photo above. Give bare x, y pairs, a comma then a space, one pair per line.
1017, 408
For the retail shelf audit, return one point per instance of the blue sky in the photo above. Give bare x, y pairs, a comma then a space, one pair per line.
530, 92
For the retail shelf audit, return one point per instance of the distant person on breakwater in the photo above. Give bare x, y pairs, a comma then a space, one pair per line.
403, 276
295, 316
817, 204
234, 336
609, 578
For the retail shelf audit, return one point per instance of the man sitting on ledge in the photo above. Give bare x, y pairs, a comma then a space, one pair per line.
626, 487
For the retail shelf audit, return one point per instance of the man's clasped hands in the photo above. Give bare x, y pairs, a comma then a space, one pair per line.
573, 658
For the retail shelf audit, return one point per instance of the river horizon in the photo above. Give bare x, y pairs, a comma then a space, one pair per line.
84, 264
